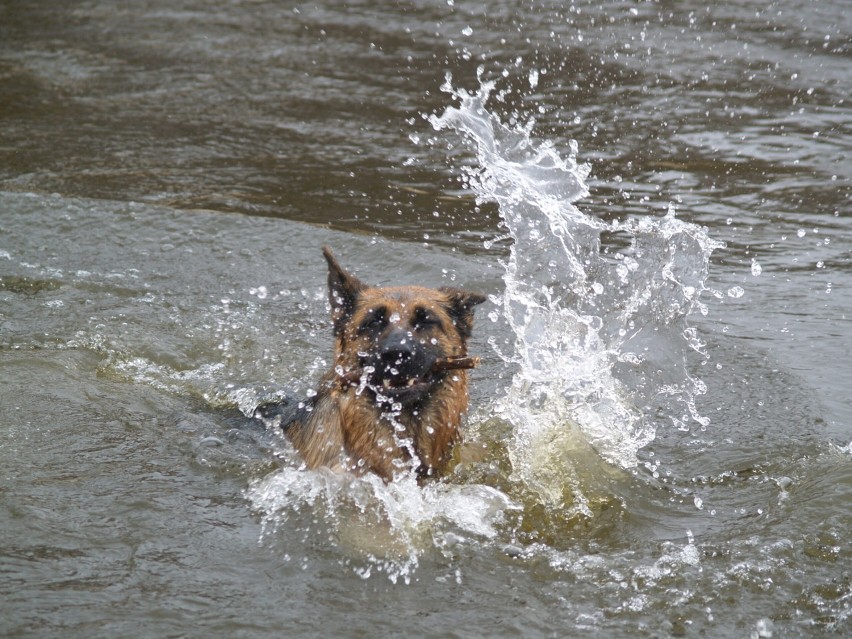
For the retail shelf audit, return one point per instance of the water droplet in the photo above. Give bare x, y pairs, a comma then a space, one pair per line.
756, 268
467, 31
764, 627
801, 232
533, 78
736, 291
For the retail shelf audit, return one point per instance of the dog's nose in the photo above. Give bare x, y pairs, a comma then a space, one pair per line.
397, 354
397, 348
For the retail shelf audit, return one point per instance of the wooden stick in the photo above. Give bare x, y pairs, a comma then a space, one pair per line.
454, 363
352, 377
444, 364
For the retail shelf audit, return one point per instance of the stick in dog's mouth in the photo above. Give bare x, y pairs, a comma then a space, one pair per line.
458, 362
455, 363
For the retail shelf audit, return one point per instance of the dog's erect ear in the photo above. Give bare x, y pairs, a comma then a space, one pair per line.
461, 305
343, 290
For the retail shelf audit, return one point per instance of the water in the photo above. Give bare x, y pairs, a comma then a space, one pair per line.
662, 408
561, 288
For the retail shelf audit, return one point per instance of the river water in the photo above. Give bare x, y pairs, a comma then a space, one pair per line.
654, 195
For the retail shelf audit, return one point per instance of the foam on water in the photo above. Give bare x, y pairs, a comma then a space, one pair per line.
384, 527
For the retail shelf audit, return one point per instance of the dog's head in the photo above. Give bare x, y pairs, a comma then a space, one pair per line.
396, 334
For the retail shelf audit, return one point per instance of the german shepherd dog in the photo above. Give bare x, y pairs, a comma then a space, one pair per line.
394, 397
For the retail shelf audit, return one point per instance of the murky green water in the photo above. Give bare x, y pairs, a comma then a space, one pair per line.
168, 172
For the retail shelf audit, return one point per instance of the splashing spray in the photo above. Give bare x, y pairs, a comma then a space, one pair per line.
596, 333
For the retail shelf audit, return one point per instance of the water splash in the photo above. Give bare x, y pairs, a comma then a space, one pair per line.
384, 527
600, 335
599, 330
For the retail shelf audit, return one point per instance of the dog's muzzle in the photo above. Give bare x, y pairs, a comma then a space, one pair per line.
402, 367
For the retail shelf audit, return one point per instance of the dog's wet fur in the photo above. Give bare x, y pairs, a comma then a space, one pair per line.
384, 406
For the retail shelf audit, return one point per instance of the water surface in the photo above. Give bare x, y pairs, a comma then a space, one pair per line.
168, 172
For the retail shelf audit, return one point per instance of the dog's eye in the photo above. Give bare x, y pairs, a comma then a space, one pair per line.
375, 320
423, 319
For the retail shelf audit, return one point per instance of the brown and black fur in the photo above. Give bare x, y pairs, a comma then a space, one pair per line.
384, 406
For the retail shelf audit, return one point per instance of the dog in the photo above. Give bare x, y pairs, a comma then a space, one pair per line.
393, 400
